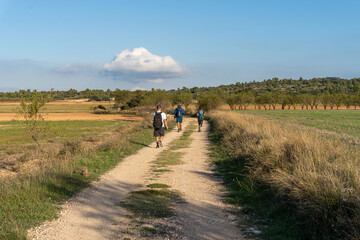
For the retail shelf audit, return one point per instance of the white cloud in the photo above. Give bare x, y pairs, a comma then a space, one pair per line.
136, 65
141, 64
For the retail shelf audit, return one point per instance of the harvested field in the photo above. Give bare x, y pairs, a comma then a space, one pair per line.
76, 116
68, 102
58, 107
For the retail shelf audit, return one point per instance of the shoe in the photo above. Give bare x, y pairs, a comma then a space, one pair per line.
178, 130
157, 145
161, 144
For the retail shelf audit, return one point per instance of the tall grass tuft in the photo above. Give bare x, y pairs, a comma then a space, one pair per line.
316, 178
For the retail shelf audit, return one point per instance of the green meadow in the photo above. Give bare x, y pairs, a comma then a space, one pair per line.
338, 121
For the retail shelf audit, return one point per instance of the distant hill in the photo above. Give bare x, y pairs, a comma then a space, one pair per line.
288, 86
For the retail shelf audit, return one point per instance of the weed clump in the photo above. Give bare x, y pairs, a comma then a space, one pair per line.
158, 185
151, 203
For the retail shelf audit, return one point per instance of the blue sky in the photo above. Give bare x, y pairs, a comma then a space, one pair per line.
124, 43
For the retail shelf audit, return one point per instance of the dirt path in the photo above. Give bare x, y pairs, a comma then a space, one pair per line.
95, 212
204, 215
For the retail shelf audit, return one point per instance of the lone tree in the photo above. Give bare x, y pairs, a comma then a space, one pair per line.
121, 97
29, 112
186, 99
209, 101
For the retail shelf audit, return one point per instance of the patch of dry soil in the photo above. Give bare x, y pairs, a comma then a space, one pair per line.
76, 116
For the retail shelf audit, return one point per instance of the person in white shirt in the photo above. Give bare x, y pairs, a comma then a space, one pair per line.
160, 122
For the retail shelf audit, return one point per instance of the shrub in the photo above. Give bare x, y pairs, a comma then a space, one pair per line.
209, 101
100, 109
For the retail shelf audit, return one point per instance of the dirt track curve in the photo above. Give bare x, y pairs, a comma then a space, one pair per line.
95, 213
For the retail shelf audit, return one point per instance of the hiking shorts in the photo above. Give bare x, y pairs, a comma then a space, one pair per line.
200, 121
159, 132
179, 119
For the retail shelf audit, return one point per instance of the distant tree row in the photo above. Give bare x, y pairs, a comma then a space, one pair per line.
92, 95
269, 101
125, 99
290, 86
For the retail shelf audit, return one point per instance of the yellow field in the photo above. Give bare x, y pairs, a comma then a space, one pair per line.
66, 111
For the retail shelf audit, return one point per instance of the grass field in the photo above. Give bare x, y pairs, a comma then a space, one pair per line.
338, 121
85, 128
14, 132
15, 141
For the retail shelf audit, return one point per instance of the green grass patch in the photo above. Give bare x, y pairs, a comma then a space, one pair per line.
161, 170
29, 201
149, 230
168, 158
185, 140
152, 203
158, 185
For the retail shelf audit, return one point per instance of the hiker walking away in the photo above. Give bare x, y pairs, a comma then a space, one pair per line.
179, 112
159, 124
200, 116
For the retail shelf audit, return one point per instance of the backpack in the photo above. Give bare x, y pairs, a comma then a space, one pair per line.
157, 120
201, 114
179, 112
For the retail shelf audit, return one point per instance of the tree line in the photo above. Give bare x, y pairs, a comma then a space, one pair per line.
327, 93
270, 101
313, 86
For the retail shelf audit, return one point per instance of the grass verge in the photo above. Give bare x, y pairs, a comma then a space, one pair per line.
302, 185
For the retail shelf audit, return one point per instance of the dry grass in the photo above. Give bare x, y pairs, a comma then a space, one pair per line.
319, 177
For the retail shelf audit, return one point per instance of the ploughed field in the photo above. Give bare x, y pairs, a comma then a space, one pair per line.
340, 122
66, 111
57, 107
